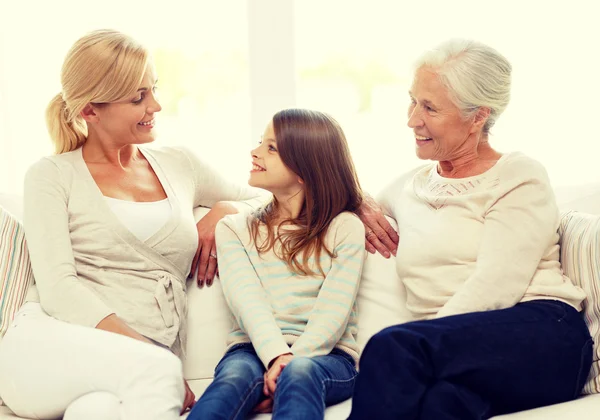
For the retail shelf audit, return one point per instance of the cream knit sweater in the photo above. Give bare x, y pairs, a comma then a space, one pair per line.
479, 243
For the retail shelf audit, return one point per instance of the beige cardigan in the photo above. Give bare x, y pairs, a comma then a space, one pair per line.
87, 265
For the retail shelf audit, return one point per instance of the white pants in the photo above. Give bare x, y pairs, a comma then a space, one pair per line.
49, 368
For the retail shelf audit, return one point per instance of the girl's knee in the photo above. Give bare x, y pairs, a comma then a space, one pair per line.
298, 368
238, 369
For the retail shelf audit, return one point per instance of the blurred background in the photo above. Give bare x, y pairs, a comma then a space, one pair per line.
225, 67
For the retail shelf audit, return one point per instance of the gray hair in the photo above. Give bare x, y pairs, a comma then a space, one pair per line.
475, 75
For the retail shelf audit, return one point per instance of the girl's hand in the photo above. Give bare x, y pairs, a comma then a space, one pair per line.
273, 373
264, 407
205, 260
189, 399
380, 235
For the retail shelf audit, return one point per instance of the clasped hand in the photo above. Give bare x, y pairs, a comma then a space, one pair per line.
270, 382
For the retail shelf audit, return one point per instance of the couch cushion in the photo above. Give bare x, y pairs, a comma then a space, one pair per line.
381, 297
209, 322
580, 259
13, 204
15, 269
584, 198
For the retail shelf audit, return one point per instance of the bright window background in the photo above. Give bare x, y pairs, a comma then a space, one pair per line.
200, 51
225, 67
353, 60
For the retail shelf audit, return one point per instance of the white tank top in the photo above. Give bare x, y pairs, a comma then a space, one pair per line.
143, 219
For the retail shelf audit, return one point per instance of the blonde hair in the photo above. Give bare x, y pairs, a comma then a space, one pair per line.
102, 66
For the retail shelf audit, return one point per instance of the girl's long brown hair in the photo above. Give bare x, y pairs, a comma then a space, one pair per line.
313, 146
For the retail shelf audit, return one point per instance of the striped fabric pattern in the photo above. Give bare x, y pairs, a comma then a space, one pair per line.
15, 269
280, 311
580, 259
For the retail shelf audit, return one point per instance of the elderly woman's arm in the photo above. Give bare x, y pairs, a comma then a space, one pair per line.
520, 227
380, 235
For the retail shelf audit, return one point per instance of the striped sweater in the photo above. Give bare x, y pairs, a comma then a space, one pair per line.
279, 311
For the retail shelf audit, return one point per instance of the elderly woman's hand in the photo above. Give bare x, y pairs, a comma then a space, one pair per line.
380, 235
205, 260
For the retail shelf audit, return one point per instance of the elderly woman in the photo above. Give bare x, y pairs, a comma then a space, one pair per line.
497, 327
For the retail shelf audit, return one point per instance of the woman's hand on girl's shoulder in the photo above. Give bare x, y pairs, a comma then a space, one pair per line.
379, 234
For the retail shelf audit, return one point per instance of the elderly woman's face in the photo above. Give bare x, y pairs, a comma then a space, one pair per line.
441, 132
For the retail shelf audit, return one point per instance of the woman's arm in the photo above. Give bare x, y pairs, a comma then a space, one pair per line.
46, 222
246, 297
330, 315
379, 234
224, 197
518, 229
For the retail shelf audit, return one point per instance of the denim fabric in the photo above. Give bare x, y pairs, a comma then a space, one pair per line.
304, 388
474, 366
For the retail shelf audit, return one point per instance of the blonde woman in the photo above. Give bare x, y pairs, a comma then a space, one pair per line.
112, 239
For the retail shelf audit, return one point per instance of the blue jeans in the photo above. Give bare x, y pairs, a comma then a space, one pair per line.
474, 366
304, 388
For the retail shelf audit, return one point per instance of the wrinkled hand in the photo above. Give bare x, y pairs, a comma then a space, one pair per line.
205, 260
380, 235
273, 373
189, 399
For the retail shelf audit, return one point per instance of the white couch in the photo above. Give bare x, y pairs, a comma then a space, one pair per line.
381, 303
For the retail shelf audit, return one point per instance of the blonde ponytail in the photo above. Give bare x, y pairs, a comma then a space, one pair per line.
103, 66
67, 133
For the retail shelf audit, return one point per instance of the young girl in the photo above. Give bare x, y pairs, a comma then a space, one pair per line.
290, 273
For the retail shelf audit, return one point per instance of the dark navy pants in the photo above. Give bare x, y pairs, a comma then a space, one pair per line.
474, 366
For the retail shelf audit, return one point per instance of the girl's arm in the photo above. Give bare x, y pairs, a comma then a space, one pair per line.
212, 189
335, 302
245, 295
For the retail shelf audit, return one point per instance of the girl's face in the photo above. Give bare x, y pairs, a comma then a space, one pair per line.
130, 121
268, 170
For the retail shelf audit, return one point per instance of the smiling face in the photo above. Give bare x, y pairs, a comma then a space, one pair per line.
441, 132
130, 121
268, 170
